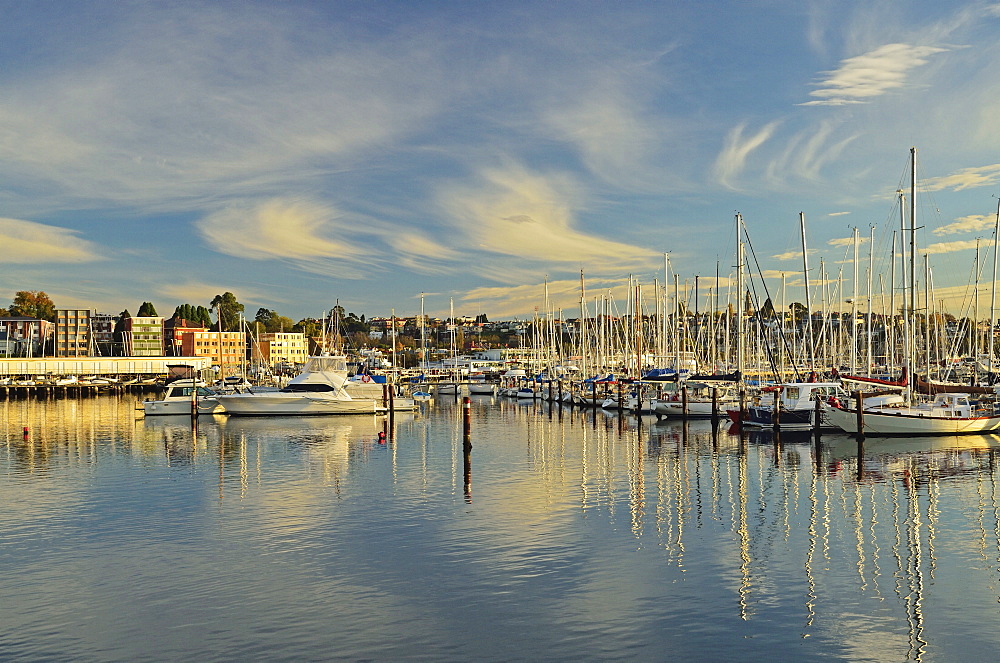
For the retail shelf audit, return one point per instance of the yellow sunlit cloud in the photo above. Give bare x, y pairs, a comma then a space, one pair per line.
528, 216
950, 247
26, 242
275, 229
969, 223
967, 178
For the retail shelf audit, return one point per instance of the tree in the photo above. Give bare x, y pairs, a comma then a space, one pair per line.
227, 310
308, 327
147, 310
4, 313
120, 322
264, 316
33, 304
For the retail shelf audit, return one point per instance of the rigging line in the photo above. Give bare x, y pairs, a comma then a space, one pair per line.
781, 333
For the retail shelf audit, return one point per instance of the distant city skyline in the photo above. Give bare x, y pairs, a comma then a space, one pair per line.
298, 154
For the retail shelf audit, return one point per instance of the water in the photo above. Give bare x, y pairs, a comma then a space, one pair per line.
572, 536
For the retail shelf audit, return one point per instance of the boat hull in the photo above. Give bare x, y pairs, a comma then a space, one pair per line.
180, 407
281, 404
907, 422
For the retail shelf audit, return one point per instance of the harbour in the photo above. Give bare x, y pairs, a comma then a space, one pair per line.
555, 533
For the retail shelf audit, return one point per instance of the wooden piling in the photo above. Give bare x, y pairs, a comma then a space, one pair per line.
858, 403
776, 412
684, 402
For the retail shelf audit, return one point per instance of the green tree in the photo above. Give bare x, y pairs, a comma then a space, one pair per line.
308, 327
280, 323
4, 313
767, 310
147, 310
264, 316
33, 304
227, 311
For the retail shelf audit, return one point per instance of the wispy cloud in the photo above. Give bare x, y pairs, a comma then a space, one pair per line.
949, 247
863, 77
838, 213
563, 294
791, 255
967, 178
737, 147
846, 241
27, 242
970, 223
272, 229
517, 213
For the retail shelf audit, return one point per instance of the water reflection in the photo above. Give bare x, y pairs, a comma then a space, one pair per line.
587, 529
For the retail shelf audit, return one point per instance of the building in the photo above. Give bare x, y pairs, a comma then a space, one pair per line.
174, 331
283, 347
227, 350
26, 336
143, 336
72, 333
102, 334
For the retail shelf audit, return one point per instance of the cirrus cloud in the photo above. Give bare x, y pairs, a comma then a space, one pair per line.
274, 229
872, 74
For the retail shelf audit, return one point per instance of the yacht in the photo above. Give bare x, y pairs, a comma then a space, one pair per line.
177, 397
319, 389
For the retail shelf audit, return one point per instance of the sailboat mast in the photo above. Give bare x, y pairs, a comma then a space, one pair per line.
805, 274
993, 291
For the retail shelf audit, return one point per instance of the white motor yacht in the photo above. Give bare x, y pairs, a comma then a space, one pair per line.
177, 397
319, 389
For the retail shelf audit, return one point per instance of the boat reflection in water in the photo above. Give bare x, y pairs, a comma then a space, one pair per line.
589, 533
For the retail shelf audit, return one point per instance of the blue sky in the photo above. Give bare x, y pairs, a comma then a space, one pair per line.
301, 153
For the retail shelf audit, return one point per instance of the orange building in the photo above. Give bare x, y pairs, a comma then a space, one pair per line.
227, 349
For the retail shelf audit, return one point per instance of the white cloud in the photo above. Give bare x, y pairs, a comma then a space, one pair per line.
846, 241
732, 159
863, 77
967, 178
524, 215
950, 247
26, 242
273, 229
838, 213
970, 223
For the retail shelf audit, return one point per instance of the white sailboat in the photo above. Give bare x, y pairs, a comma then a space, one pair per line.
951, 413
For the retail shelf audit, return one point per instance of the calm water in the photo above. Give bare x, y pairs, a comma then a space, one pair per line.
573, 536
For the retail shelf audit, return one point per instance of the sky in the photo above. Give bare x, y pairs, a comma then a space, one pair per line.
305, 154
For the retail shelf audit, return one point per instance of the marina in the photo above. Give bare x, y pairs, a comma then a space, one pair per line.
555, 533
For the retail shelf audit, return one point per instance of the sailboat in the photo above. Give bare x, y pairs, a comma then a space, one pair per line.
951, 413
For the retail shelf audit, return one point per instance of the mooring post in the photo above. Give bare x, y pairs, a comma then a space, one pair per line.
858, 402
620, 397
817, 419
466, 423
715, 405
776, 413
684, 402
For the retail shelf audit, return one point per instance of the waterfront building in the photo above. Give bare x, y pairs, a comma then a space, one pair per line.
143, 336
102, 334
283, 347
28, 335
227, 350
72, 333
174, 331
